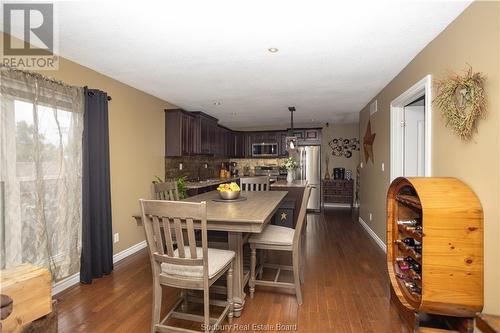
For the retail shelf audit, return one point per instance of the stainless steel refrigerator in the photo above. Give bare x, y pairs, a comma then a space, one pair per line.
310, 170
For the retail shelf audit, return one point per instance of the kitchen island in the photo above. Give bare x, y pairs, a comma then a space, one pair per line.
295, 192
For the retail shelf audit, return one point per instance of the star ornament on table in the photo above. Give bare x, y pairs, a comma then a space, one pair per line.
368, 143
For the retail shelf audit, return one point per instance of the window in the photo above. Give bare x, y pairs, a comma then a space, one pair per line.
40, 156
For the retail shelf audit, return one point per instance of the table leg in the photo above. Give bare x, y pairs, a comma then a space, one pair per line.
235, 240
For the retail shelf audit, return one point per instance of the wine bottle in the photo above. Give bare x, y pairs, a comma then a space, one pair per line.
412, 286
408, 222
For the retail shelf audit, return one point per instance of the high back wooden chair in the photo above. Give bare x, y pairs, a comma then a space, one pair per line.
259, 183
165, 191
185, 266
281, 239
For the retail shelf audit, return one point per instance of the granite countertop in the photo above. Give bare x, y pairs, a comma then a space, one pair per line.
284, 183
209, 182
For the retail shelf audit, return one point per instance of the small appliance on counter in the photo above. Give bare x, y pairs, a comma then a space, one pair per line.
233, 169
224, 170
338, 173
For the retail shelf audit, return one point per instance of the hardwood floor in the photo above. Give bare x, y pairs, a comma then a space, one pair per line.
346, 290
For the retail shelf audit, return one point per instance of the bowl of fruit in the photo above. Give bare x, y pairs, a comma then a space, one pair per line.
229, 191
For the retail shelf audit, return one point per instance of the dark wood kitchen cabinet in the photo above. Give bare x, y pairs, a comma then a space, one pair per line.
283, 149
240, 141
208, 131
181, 137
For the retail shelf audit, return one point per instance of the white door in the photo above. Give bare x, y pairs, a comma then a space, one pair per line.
414, 140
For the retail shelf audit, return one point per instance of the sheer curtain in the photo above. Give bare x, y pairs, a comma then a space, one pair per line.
41, 128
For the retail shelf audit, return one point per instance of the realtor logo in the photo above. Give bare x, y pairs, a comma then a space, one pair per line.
29, 36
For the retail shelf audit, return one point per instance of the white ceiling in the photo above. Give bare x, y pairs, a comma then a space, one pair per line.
334, 56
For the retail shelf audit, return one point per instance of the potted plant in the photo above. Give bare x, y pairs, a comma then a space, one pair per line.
290, 165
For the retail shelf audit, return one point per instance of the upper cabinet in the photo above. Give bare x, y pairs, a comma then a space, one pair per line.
181, 138
208, 130
197, 133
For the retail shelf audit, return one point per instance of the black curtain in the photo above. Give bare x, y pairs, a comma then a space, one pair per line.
97, 238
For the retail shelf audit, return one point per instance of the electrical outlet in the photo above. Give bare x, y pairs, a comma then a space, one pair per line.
371, 216
116, 237
383, 166
180, 166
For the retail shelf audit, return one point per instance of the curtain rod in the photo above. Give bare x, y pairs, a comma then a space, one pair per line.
40, 76
37, 76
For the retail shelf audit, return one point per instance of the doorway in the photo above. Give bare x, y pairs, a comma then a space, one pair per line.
411, 131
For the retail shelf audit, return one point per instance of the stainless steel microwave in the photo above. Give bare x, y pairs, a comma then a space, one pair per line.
265, 149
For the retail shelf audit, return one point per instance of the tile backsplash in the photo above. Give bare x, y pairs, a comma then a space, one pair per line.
251, 163
192, 167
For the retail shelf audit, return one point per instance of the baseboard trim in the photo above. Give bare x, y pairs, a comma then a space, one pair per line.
373, 235
128, 252
70, 281
65, 284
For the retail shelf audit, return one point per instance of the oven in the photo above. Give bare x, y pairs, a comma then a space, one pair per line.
265, 149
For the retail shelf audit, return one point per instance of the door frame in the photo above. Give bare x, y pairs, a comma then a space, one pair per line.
419, 89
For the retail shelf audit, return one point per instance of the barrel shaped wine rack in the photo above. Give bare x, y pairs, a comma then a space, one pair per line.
435, 246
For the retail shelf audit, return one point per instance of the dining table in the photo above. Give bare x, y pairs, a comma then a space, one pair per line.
239, 219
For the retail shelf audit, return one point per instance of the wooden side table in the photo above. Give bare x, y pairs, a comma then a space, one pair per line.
338, 191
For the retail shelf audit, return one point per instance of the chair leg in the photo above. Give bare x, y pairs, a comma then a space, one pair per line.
302, 257
261, 258
206, 309
230, 293
253, 254
156, 305
296, 277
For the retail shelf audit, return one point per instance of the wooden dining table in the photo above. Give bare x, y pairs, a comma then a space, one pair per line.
239, 219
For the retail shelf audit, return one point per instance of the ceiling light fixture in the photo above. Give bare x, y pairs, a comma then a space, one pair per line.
291, 139
273, 49
217, 103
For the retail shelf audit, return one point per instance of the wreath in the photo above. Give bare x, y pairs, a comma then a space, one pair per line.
462, 101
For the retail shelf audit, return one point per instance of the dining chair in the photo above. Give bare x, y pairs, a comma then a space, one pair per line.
186, 267
258, 183
280, 239
165, 191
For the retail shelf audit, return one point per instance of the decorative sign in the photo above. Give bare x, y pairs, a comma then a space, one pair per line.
368, 142
343, 147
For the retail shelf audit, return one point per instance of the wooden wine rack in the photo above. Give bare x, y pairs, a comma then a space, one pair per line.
450, 281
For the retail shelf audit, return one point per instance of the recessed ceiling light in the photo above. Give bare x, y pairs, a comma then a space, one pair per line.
273, 49
217, 103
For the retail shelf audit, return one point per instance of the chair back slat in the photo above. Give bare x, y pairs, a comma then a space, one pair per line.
157, 235
260, 183
168, 236
191, 238
165, 191
183, 218
302, 215
179, 237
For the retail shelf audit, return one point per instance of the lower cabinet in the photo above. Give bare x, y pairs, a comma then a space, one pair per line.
284, 216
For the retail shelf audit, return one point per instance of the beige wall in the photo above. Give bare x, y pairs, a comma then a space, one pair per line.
337, 130
473, 38
137, 141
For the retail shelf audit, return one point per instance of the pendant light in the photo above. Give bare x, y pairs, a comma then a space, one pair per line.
291, 139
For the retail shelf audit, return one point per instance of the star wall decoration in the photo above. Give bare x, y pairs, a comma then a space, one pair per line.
368, 143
